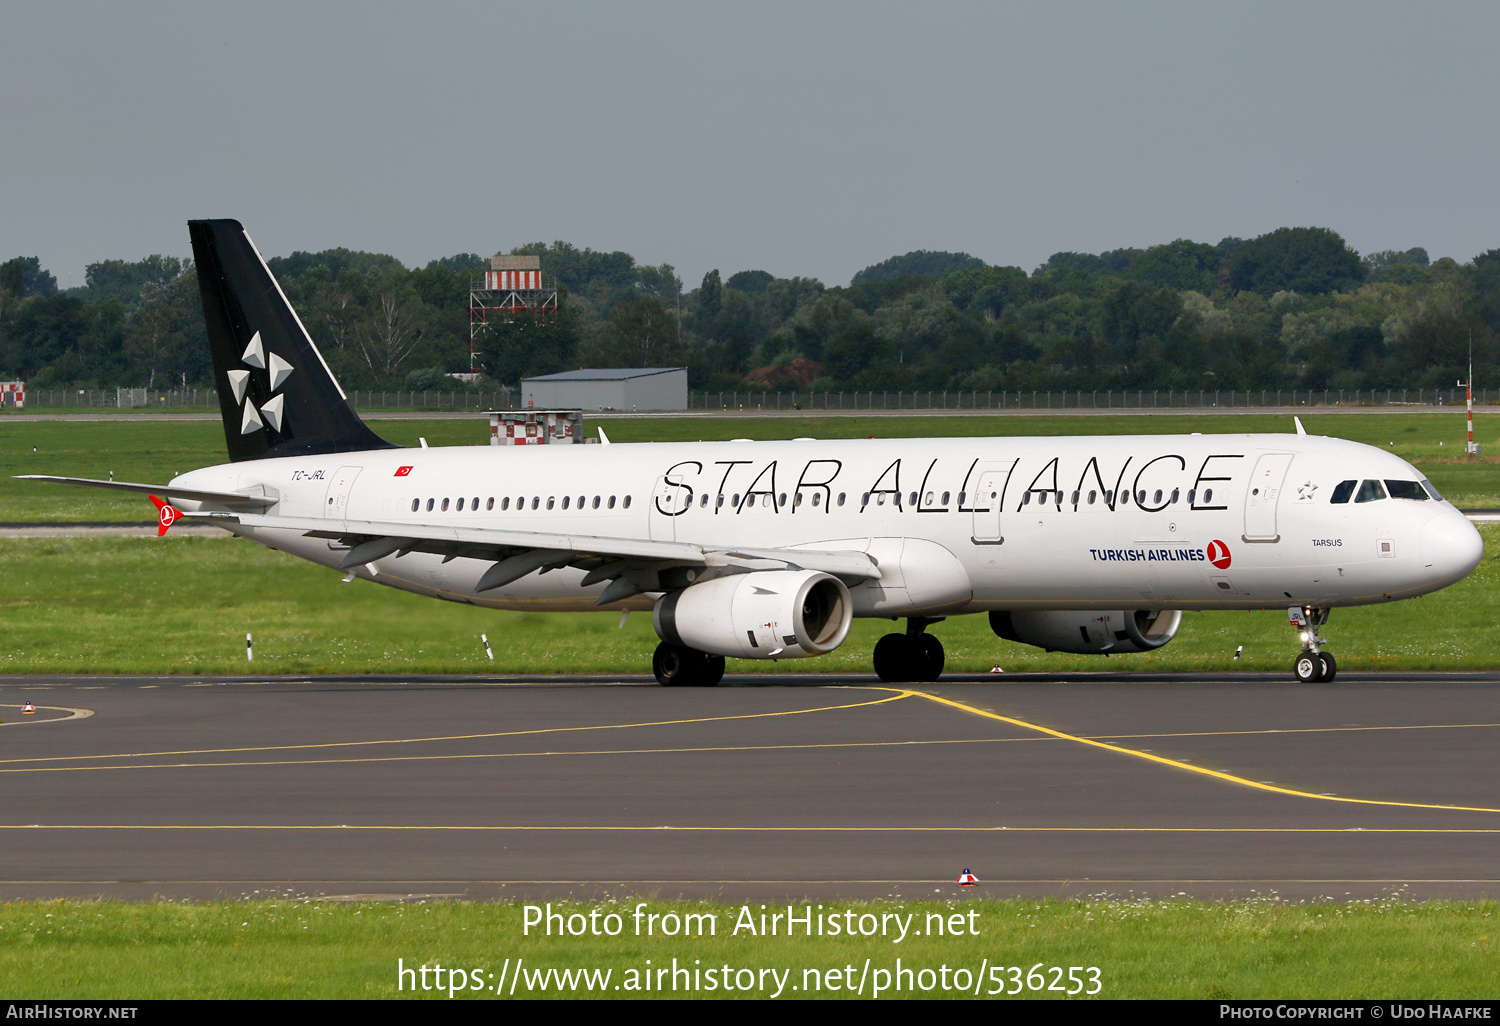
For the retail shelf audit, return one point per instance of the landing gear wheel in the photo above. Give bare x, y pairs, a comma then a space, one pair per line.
676, 666
1308, 668
928, 657
712, 673
1330, 667
893, 659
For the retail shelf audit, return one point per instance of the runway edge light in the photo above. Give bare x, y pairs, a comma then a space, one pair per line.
967, 879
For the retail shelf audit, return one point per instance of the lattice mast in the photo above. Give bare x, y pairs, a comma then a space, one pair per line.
513, 286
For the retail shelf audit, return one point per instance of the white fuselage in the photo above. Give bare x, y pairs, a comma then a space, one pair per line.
956, 524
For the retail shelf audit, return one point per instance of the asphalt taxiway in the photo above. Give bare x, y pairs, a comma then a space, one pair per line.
769, 787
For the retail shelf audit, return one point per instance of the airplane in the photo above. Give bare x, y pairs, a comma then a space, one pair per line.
768, 550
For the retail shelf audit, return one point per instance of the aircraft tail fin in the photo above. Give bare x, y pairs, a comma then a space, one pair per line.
276, 394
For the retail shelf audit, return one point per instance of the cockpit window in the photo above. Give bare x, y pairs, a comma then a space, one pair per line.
1431, 490
1342, 491
1405, 490
1370, 491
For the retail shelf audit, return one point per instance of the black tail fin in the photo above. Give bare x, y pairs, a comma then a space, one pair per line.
276, 394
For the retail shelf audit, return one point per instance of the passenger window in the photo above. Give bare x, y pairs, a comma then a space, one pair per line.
565, 502
1370, 491
880, 499
627, 502
1174, 494
960, 498
798, 500
1075, 498
1405, 490
489, 504
1208, 495
719, 502
429, 505
1192, 494
1109, 495
1342, 492
580, 501
750, 500
781, 499
841, 498
1026, 499
536, 500
415, 503
460, 504
505, 504
1093, 494
945, 498
611, 502
702, 502
445, 505
817, 497
1140, 497
1156, 499
475, 503
551, 501
912, 501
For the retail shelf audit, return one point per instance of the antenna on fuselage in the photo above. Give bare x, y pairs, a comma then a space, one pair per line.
1300, 429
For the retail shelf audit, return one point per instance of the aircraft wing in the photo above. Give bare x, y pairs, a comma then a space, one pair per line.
632, 564
236, 498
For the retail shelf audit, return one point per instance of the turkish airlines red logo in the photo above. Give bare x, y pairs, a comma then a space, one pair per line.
403, 471
166, 516
1218, 554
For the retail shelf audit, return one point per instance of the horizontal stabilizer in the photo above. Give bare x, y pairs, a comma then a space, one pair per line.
171, 492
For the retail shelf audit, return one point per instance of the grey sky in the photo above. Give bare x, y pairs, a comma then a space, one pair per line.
801, 138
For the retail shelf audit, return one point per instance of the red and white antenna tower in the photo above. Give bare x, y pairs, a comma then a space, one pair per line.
513, 286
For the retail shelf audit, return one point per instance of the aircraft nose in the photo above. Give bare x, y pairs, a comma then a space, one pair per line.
1451, 547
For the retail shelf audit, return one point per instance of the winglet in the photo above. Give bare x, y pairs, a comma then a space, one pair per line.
166, 516
1300, 429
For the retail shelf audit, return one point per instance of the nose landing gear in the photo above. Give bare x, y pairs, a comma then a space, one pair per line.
912, 657
1312, 665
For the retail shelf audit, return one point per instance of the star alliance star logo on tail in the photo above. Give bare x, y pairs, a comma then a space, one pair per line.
277, 371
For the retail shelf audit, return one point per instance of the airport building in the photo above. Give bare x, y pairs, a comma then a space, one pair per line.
626, 388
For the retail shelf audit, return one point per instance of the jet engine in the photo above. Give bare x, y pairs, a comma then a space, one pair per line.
1089, 631
769, 614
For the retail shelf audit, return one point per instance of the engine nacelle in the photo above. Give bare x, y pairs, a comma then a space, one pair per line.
771, 614
1088, 631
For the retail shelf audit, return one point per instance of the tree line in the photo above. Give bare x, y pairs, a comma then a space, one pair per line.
1295, 308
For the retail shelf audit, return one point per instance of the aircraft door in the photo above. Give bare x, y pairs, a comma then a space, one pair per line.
1262, 495
988, 501
669, 500
336, 504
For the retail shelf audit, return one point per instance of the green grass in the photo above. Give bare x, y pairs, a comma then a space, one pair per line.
183, 605
153, 451
299, 948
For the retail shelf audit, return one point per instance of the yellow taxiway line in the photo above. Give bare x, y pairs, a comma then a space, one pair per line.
900, 694
1160, 760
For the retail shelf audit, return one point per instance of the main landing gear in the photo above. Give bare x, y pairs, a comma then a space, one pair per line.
911, 657
676, 666
1312, 665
